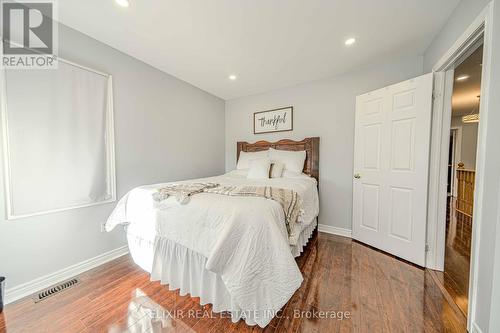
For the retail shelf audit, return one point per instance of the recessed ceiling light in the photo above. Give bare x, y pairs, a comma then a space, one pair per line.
350, 41
462, 77
123, 3
232, 77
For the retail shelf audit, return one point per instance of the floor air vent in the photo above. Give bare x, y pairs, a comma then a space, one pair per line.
51, 291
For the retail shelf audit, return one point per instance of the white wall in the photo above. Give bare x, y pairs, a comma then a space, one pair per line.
460, 19
495, 292
488, 302
469, 142
165, 130
323, 108
488, 279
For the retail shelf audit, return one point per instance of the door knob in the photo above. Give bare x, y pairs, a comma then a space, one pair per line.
357, 176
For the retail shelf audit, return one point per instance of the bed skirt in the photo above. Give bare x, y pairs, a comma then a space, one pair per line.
183, 269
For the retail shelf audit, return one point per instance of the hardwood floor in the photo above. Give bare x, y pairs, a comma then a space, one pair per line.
455, 277
360, 290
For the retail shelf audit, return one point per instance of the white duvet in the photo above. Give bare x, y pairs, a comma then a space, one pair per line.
243, 238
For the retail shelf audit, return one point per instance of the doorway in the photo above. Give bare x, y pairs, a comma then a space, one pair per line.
465, 118
481, 29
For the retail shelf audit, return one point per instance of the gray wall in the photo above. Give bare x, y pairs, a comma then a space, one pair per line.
488, 278
469, 142
165, 130
323, 108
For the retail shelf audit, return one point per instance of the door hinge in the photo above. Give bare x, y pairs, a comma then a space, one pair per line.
427, 247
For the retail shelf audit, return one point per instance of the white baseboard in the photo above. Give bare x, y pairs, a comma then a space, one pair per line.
335, 230
33, 286
475, 328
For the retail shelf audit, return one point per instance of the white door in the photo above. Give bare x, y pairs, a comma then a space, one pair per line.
391, 162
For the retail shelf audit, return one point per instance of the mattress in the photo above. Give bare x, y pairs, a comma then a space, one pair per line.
233, 252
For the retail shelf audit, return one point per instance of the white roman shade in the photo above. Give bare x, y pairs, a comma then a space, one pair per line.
58, 139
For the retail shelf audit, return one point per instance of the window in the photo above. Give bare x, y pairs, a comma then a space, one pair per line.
58, 139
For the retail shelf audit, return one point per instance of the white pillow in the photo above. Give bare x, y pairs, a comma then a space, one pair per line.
246, 157
240, 173
259, 168
276, 170
293, 174
293, 160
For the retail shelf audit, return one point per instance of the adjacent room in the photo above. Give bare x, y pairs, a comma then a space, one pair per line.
264, 166
465, 117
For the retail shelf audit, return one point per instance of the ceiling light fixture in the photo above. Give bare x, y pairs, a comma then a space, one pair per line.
472, 117
462, 77
232, 77
123, 3
350, 41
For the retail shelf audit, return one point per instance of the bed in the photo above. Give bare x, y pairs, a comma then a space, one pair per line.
233, 252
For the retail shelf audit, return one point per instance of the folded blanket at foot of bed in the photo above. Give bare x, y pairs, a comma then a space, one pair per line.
289, 200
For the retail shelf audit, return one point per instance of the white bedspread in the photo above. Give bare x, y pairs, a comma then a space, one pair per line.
243, 238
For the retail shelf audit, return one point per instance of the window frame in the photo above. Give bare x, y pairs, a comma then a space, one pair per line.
110, 148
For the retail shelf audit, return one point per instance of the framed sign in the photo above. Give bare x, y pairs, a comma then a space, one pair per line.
276, 120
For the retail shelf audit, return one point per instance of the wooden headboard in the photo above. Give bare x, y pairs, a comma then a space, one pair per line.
310, 145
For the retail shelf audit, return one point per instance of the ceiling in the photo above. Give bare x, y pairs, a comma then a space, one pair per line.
464, 99
267, 44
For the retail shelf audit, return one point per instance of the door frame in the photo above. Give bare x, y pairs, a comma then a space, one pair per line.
457, 157
481, 28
